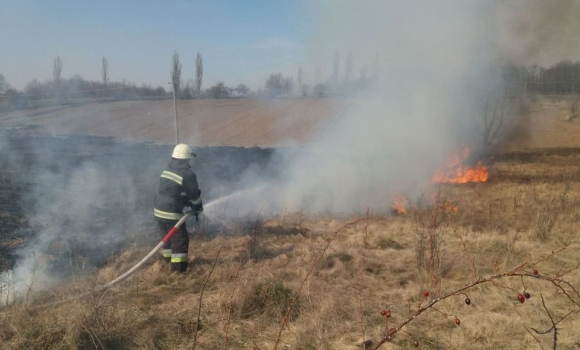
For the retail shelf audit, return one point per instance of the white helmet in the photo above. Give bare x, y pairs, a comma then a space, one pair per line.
182, 151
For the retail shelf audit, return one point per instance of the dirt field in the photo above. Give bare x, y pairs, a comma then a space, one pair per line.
243, 123
299, 281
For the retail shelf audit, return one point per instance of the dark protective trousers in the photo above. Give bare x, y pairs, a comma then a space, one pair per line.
175, 250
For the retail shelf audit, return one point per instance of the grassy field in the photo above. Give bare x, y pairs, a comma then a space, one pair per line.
297, 281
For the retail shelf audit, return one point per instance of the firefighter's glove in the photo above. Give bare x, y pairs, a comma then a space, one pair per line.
197, 208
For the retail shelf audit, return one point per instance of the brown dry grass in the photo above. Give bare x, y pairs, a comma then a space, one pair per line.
498, 221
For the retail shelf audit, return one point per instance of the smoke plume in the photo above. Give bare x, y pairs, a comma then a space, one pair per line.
430, 65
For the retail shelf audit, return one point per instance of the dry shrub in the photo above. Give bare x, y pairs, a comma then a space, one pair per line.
330, 260
545, 221
387, 243
270, 298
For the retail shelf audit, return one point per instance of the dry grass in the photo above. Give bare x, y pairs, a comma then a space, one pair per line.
498, 223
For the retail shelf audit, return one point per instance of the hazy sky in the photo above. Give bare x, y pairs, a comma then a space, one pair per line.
242, 41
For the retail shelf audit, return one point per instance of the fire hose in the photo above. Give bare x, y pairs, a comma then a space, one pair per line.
129, 272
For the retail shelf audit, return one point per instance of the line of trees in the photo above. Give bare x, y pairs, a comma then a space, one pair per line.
76, 89
562, 78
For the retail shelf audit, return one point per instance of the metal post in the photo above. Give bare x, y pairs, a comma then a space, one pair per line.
175, 113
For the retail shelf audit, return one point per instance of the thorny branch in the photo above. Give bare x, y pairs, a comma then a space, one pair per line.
554, 327
517, 272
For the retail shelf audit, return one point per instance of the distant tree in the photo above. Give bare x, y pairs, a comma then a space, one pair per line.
317, 75
105, 72
348, 69
15, 98
176, 73
198, 74
304, 90
220, 91
335, 68
34, 90
278, 85
2, 84
320, 90
160, 91
242, 90
57, 71
299, 76
188, 92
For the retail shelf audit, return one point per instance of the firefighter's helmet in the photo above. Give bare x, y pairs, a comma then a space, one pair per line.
182, 151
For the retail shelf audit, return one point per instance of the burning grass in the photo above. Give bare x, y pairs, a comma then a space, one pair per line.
488, 227
457, 171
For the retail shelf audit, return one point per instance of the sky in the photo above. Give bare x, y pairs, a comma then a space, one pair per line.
240, 41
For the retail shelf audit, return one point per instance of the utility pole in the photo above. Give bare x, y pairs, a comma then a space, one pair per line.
175, 82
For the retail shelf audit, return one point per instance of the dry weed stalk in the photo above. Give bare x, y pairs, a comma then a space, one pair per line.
32, 278
198, 321
520, 272
361, 274
284, 321
235, 286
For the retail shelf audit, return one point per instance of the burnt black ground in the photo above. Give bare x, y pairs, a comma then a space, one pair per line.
26, 155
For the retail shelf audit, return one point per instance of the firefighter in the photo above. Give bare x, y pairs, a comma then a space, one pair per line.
177, 190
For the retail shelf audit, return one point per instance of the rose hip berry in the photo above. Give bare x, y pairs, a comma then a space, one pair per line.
468, 301
416, 343
535, 272
457, 321
426, 293
386, 313
521, 298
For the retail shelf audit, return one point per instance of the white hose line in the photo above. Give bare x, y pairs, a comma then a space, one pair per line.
126, 274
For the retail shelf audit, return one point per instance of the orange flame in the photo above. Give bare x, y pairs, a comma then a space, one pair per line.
458, 173
400, 205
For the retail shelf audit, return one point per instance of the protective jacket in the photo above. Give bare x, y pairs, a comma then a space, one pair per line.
177, 189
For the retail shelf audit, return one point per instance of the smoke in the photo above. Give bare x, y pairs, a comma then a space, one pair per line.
83, 200
430, 65
537, 31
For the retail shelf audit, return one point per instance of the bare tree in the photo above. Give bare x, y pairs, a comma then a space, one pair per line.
57, 70
493, 112
299, 78
105, 72
574, 109
176, 73
198, 74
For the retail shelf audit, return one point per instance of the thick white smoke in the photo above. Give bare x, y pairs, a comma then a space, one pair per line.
431, 61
